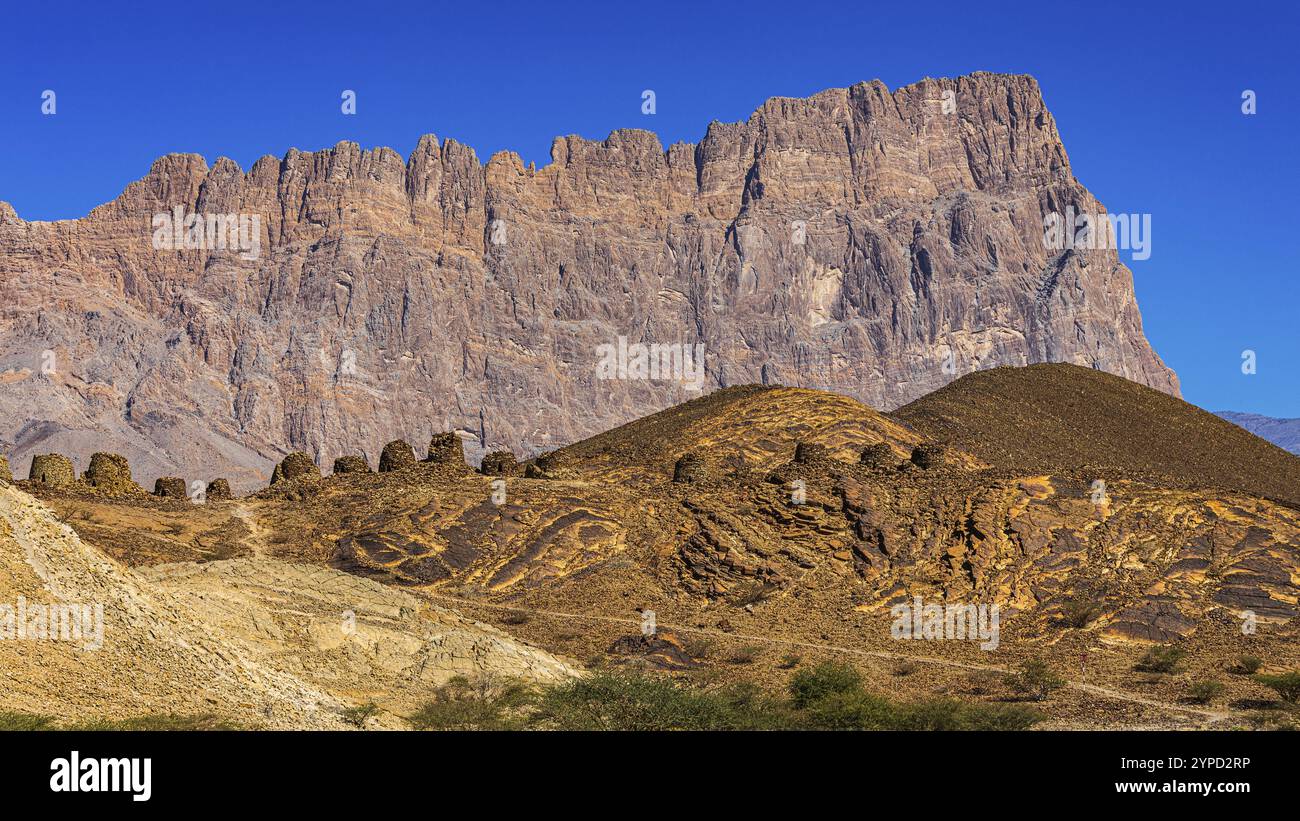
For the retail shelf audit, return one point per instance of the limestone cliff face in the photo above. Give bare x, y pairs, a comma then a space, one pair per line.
858, 240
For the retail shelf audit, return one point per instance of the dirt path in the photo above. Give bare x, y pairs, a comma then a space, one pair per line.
255, 541
1094, 689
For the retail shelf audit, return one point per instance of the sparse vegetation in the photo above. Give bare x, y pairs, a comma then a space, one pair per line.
698, 647
514, 617
904, 668
21, 721
744, 655
485, 704
359, 715
1247, 665
1163, 658
1286, 685
829, 696
1035, 679
1203, 692
790, 661
826, 679
14, 721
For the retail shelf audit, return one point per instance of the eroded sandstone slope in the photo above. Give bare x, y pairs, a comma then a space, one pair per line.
257, 641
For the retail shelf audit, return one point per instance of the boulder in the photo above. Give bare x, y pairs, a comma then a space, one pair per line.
397, 454
170, 487
53, 469
351, 464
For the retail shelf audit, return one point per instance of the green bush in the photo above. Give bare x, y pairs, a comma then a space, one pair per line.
827, 678
1203, 692
1161, 659
951, 714
827, 697
1247, 665
1286, 685
628, 701
155, 721
359, 715
850, 710
479, 705
1035, 679
12, 721
744, 655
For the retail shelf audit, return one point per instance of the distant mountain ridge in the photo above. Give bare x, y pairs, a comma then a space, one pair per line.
1285, 433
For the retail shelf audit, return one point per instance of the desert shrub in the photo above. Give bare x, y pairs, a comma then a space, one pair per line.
14, 721
998, 717
359, 715
849, 710
698, 647
1286, 685
155, 721
905, 668
1247, 665
1163, 658
790, 661
744, 655
482, 704
624, 700
1203, 692
827, 678
514, 617
1035, 679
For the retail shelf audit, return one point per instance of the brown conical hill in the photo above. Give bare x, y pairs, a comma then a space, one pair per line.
754, 426
1060, 417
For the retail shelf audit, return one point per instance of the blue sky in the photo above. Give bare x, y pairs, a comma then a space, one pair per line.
1147, 98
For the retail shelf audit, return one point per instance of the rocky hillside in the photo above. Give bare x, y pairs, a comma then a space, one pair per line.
767, 527
870, 241
1062, 417
253, 639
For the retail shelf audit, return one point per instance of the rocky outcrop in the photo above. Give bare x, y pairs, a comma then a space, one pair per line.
875, 242
5, 474
690, 468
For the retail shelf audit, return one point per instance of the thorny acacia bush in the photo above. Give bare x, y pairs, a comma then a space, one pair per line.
826, 697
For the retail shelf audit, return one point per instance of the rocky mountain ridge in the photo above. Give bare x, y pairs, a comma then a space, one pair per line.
875, 242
